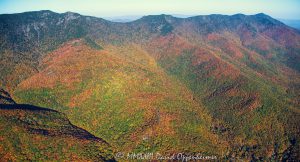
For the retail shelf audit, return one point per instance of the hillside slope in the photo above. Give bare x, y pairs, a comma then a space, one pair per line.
148, 110
34, 133
257, 112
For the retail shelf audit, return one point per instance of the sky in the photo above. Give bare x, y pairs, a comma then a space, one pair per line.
286, 9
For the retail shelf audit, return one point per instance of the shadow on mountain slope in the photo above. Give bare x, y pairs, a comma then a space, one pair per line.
33, 133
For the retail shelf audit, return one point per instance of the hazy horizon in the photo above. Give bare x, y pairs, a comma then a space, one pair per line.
128, 18
288, 9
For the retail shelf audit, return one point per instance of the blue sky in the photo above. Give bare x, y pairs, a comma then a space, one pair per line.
287, 9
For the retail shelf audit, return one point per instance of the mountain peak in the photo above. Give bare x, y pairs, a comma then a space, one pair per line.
265, 19
262, 15
42, 12
157, 17
71, 13
239, 15
158, 23
45, 11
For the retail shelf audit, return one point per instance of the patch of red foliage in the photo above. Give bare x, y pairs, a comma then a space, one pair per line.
283, 36
250, 102
172, 45
214, 65
63, 66
80, 98
226, 45
232, 49
213, 37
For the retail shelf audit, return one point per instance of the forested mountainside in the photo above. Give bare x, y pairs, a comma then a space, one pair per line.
216, 84
31, 133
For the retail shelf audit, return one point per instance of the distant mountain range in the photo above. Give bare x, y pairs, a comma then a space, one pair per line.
292, 23
218, 85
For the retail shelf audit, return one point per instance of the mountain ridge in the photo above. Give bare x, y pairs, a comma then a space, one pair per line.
163, 14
